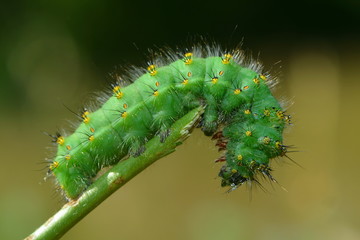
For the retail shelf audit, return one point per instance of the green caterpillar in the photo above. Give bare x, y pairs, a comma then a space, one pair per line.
240, 113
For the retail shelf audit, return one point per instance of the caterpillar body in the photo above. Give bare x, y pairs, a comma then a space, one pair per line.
240, 113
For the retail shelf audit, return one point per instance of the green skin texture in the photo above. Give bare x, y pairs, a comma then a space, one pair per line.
147, 115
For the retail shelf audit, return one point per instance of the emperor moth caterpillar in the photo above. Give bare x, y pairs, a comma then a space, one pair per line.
240, 113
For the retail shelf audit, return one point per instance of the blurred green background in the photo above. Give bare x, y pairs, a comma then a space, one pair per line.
60, 52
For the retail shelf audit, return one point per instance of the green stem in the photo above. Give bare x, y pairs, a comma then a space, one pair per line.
73, 211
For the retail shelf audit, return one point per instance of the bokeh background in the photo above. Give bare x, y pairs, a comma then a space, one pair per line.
56, 53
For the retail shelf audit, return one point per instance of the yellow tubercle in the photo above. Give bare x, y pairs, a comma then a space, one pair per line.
60, 140
239, 157
237, 91
85, 117
91, 138
214, 80
54, 165
263, 77
68, 157
252, 164
118, 93
188, 58
185, 81
156, 93
248, 133
266, 112
124, 114
247, 111
152, 70
116, 89
256, 81
266, 140
233, 170
280, 114
278, 145
226, 58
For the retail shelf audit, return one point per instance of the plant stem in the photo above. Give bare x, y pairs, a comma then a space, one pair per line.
73, 211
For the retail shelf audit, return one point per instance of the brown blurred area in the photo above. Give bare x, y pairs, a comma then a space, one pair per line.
60, 53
